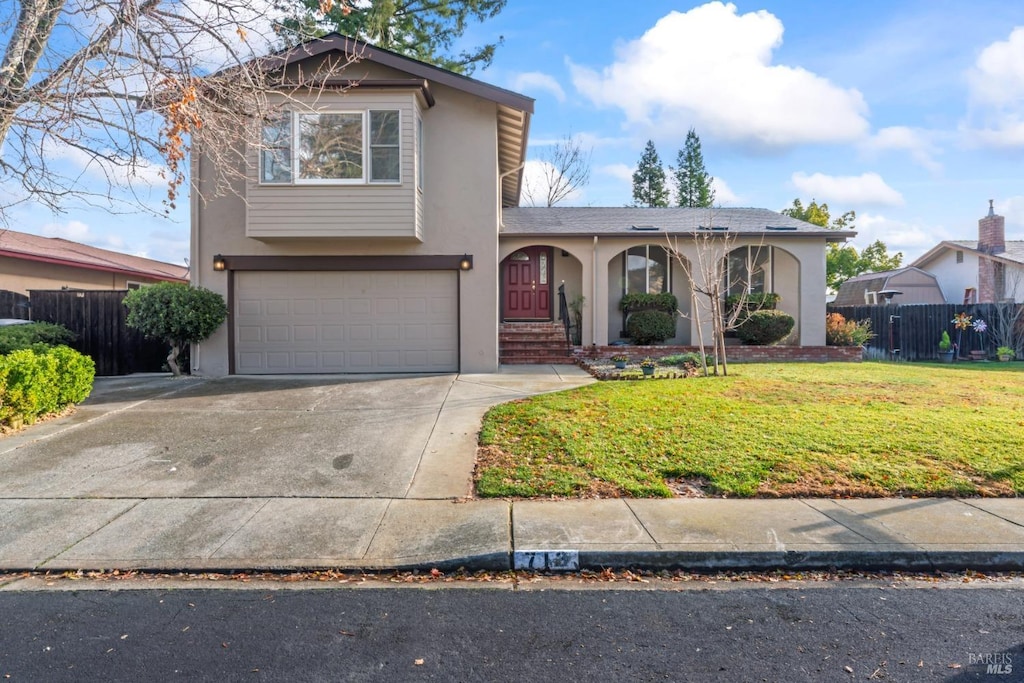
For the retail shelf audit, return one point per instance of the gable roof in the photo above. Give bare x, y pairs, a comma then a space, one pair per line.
58, 251
514, 110
1014, 253
925, 290
630, 221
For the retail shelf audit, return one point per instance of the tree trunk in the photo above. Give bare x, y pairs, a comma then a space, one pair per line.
172, 360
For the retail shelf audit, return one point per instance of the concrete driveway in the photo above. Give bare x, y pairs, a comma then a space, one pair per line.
345, 437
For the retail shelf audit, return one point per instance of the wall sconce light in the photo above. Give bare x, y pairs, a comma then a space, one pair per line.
219, 263
466, 263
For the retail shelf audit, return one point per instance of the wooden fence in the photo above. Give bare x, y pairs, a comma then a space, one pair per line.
13, 305
98, 320
912, 331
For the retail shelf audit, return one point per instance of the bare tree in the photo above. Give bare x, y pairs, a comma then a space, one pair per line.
110, 94
565, 168
710, 283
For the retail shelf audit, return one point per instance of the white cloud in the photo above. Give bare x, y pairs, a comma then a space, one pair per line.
78, 231
533, 81
913, 239
915, 141
996, 109
619, 171
711, 68
1013, 210
867, 188
99, 167
723, 193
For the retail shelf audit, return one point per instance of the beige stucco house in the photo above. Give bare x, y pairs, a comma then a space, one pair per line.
379, 231
30, 262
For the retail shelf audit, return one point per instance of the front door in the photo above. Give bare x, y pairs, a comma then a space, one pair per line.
527, 284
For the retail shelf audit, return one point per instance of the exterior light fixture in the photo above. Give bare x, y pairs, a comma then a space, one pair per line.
466, 263
219, 263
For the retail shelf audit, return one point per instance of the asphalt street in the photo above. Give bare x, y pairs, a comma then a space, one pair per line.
808, 632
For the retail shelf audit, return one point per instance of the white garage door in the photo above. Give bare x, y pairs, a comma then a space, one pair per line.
340, 322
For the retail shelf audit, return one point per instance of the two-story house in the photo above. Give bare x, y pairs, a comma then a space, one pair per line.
378, 231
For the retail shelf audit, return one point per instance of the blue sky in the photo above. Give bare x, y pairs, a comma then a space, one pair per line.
911, 113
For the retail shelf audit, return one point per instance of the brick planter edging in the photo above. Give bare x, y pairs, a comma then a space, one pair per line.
738, 354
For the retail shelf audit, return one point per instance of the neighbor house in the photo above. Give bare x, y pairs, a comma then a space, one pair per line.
378, 230
987, 270
907, 285
33, 262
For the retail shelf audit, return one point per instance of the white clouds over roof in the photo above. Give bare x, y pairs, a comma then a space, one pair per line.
711, 68
867, 188
996, 114
533, 81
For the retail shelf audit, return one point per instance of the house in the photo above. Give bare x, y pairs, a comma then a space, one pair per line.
987, 270
907, 285
378, 230
33, 262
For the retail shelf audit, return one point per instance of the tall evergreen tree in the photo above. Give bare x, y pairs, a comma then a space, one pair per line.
421, 29
649, 187
693, 184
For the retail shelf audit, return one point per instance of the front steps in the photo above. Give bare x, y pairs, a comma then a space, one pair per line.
533, 343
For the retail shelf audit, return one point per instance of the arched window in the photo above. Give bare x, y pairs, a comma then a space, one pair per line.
647, 270
749, 271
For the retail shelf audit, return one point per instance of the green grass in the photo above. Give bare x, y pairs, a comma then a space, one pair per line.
867, 429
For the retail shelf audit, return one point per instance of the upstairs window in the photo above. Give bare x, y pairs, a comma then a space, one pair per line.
332, 148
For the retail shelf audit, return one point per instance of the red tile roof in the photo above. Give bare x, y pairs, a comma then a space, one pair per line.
64, 252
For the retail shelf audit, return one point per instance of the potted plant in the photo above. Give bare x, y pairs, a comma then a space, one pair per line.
620, 361
946, 348
1005, 353
647, 365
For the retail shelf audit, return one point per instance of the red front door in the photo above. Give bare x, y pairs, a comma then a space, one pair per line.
527, 284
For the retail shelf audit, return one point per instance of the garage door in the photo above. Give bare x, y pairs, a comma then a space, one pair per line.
340, 322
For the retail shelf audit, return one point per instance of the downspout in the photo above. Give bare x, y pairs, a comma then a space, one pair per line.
593, 300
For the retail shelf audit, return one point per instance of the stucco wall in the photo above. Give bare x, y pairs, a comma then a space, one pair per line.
460, 215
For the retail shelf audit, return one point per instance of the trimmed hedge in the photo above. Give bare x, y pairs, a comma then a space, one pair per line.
650, 327
36, 382
666, 301
33, 335
762, 328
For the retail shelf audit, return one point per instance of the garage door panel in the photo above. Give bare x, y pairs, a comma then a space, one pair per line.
312, 322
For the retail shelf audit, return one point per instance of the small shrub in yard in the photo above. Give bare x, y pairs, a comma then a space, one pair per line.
650, 327
15, 337
842, 332
765, 327
682, 359
176, 313
34, 383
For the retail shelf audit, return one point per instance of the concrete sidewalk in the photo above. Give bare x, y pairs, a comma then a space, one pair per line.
432, 524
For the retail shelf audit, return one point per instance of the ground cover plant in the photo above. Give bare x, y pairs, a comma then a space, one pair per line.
865, 429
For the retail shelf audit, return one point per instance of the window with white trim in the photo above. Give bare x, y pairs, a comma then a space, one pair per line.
647, 270
333, 147
749, 270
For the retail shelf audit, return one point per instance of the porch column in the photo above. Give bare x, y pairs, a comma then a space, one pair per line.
599, 296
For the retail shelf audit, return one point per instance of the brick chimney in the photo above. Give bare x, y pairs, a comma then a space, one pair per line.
991, 240
992, 232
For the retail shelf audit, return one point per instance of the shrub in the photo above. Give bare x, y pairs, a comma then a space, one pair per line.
842, 332
682, 359
650, 327
33, 383
177, 313
755, 301
39, 335
765, 327
666, 301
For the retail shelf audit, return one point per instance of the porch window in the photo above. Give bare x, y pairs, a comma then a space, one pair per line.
647, 270
749, 271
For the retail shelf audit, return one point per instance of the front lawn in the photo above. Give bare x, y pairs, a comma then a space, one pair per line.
865, 429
